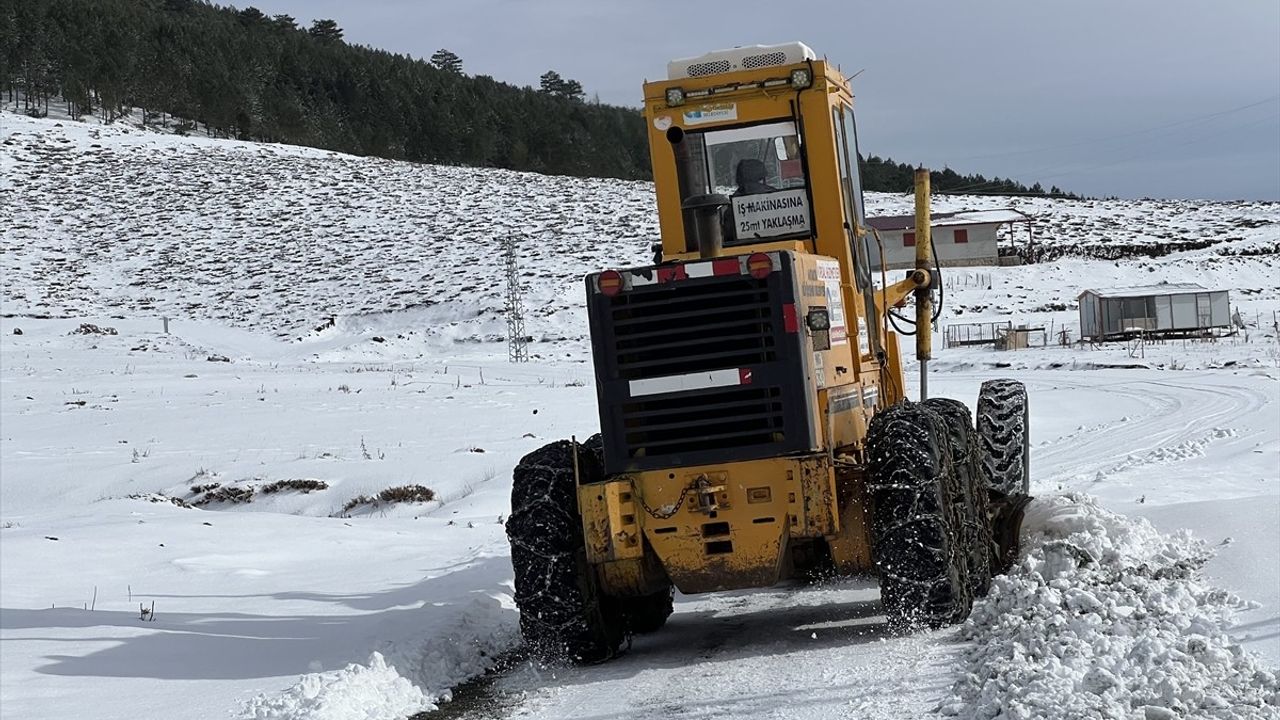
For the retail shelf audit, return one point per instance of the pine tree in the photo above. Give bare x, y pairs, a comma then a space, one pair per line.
326, 30
572, 89
447, 61
551, 83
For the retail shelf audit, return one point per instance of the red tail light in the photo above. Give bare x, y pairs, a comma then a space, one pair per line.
759, 265
609, 282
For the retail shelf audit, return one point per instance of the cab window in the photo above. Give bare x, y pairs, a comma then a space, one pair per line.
759, 167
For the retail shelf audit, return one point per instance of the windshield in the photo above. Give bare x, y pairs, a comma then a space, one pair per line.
760, 162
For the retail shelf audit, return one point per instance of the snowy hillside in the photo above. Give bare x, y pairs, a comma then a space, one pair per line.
120, 220
315, 507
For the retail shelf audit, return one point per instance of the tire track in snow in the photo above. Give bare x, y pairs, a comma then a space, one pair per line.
1180, 415
791, 652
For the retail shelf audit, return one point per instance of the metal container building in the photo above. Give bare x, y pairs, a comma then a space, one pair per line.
1170, 309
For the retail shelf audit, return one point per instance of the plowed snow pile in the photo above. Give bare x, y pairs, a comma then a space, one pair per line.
354, 693
1107, 618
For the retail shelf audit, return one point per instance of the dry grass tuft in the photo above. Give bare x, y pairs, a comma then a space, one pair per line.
302, 486
233, 495
391, 496
91, 329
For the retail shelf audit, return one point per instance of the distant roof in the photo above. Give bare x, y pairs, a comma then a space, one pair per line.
1145, 290
963, 217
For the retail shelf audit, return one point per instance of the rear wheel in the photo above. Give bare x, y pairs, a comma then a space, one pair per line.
919, 511
563, 613
1003, 424
966, 461
648, 613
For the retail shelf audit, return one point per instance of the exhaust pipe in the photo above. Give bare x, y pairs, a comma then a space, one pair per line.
704, 222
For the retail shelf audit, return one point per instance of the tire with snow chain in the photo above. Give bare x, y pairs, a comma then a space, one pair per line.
1003, 429
563, 613
917, 524
980, 547
648, 613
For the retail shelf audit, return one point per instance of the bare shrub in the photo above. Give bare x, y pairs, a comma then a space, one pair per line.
91, 329
302, 486
159, 498
407, 493
392, 496
232, 494
356, 502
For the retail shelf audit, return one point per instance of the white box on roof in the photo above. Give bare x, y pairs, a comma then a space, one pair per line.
747, 57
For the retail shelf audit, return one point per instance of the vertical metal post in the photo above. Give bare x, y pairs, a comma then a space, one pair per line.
924, 297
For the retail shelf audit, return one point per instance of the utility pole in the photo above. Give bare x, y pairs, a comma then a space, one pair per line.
517, 341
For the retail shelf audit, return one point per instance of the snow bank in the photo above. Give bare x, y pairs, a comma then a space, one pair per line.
356, 692
485, 630
407, 677
1105, 617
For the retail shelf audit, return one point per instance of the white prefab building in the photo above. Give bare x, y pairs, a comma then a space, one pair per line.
1170, 309
960, 238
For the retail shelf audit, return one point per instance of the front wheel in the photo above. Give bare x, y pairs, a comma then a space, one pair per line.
979, 546
1003, 429
918, 536
1004, 433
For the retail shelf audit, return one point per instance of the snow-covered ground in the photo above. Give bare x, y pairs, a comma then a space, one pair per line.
298, 604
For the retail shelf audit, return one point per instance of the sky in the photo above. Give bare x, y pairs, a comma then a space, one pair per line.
1134, 98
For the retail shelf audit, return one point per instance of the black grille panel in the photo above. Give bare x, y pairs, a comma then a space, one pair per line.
691, 422
699, 370
709, 326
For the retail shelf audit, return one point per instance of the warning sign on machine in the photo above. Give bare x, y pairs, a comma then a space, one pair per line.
785, 212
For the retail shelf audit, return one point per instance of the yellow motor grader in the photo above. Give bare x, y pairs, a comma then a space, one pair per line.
754, 425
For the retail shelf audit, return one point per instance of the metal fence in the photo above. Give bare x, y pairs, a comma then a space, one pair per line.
964, 334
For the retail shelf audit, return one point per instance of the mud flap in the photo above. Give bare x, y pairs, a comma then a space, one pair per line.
1006, 527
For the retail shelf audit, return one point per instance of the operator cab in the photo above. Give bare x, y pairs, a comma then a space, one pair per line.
755, 148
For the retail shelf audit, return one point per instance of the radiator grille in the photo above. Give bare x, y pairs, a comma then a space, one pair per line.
689, 328
711, 326
742, 416
695, 367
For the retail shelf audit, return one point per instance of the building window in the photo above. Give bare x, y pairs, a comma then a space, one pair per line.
908, 239
962, 236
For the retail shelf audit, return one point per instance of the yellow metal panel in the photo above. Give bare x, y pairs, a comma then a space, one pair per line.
609, 521
727, 534
818, 493
851, 549
845, 415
